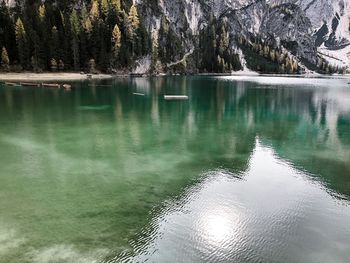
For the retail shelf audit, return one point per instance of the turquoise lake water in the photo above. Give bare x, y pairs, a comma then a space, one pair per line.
249, 169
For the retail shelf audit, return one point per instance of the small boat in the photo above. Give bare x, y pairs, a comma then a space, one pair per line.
175, 97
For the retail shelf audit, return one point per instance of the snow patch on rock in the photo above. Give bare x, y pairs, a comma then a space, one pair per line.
340, 58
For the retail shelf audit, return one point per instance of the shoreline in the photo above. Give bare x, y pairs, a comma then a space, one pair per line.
72, 76
31, 77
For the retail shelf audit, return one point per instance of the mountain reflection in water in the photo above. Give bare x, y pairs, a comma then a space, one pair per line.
249, 169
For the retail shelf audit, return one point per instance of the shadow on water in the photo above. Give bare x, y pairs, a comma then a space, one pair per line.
98, 172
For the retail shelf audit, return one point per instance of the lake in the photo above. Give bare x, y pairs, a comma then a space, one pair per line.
248, 169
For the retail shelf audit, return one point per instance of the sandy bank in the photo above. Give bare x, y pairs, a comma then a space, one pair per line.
49, 76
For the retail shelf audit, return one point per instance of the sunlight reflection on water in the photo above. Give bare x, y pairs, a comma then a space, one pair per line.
269, 211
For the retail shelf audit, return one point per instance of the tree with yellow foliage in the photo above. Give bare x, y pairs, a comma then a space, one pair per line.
116, 40
5, 61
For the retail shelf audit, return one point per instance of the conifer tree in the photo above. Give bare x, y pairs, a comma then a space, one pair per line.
116, 40
42, 12
75, 29
54, 44
133, 26
104, 8
5, 61
224, 41
134, 18
7, 31
21, 42
116, 5
154, 54
88, 25
94, 11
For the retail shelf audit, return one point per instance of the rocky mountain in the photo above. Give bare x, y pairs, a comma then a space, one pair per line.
155, 36
310, 30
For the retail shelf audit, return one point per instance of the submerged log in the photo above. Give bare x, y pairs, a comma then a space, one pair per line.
30, 84
11, 84
50, 85
175, 97
138, 94
100, 85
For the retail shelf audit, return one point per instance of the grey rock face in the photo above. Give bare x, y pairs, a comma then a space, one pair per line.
306, 24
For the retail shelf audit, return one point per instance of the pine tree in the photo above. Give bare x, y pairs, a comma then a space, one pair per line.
42, 12
104, 8
36, 60
83, 48
54, 44
94, 11
116, 40
66, 39
134, 18
133, 26
224, 41
21, 42
88, 25
154, 50
75, 29
116, 5
162, 34
7, 31
5, 61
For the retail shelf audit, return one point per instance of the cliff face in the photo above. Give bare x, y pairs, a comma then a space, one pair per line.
307, 28
312, 34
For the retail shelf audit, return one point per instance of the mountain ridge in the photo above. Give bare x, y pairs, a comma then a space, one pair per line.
181, 36
303, 24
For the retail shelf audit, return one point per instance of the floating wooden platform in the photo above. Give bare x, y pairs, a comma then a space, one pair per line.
138, 94
30, 84
175, 97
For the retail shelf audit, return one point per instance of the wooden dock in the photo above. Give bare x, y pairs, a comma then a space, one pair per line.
175, 97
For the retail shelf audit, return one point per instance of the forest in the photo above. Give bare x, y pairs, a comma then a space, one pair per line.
110, 36
100, 35
71, 35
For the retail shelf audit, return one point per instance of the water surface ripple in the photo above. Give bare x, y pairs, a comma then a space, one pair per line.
249, 169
